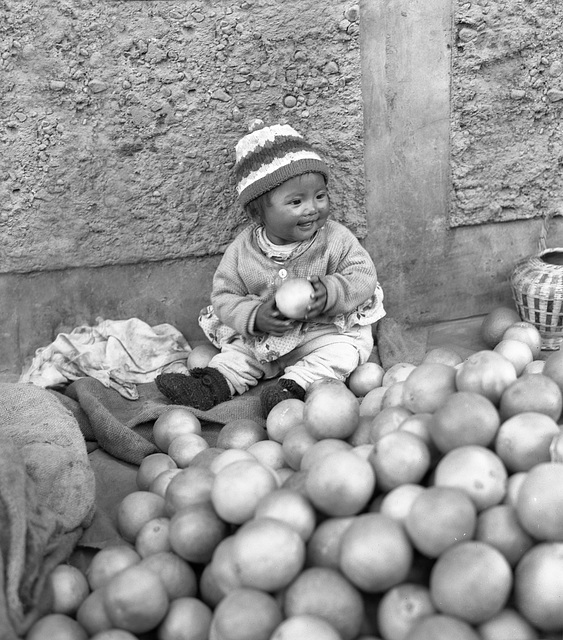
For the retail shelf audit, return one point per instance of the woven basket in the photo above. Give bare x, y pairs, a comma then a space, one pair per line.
537, 288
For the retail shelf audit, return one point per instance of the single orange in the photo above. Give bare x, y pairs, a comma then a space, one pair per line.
538, 586
487, 373
240, 434
365, 378
525, 439
531, 393
508, 624
267, 553
438, 518
195, 531
401, 607
475, 469
69, 587
340, 484
428, 386
471, 581
331, 411
495, 323
539, 505
375, 553
399, 458
517, 352
283, 417
439, 626
153, 537
245, 614
304, 627
200, 356
498, 526
56, 625
326, 593
136, 599
187, 618
269, 453
465, 417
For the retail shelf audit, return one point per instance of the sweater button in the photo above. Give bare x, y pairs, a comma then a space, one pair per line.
282, 273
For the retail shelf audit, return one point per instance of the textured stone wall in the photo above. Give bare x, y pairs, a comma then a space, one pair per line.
119, 120
507, 108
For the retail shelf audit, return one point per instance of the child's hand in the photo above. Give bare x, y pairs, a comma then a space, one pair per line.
270, 320
318, 300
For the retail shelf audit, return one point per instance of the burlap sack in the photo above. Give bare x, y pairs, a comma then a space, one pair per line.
47, 492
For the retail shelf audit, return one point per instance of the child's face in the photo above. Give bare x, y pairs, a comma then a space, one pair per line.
296, 209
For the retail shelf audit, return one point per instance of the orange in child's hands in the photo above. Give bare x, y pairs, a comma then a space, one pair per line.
293, 297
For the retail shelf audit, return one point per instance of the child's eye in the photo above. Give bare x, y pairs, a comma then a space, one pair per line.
322, 196
296, 201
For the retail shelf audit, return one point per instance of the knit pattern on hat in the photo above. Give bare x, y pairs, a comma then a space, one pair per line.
267, 157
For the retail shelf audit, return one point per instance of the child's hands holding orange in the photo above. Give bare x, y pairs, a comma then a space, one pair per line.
270, 320
318, 300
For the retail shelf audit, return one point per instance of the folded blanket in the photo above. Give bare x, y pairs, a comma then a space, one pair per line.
118, 353
46, 499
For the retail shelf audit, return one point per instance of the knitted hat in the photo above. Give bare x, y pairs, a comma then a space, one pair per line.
269, 156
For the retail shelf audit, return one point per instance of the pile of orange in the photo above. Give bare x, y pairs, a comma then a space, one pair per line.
419, 502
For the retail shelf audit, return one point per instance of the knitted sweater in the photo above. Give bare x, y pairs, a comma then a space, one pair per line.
246, 278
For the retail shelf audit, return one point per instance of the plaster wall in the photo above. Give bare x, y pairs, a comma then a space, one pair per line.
429, 270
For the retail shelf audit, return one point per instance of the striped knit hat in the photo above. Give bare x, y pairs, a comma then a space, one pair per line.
267, 157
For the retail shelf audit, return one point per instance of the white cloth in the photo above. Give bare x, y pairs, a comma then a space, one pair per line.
118, 353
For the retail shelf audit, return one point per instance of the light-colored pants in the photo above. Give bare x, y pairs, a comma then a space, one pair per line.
333, 355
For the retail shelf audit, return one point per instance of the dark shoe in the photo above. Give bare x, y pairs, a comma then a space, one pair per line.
282, 390
202, 389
